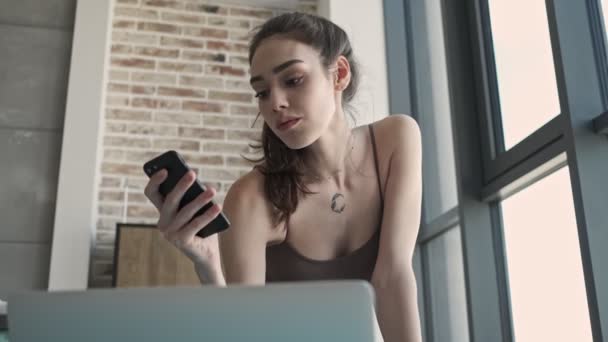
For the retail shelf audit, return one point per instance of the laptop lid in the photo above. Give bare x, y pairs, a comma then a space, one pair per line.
303, 311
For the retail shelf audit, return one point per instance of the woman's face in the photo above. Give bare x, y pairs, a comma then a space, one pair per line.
291, 84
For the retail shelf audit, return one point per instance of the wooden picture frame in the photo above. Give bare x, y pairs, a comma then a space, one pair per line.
144, 258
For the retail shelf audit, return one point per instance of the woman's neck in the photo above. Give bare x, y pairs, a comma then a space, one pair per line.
329, 159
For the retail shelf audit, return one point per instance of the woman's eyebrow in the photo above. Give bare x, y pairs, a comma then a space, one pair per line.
277, 69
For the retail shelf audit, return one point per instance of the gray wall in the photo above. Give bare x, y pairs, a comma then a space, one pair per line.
35, 44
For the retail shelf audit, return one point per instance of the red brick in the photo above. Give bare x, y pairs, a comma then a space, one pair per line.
238, 85
180, 67
239, 60
186, 92
242, 36
138, 197
136, 211
119, 75
224, 46
126, 142
176, 144
138, 89
119, 24
219, 147
179, 42
229, 22
154, 129
141, 157
169, 104
125, 114
201, 133
153, 77
133, 63
117, 88
228, 96
122, 169
134, 38
196, 55
183, 18
178, 118
225, 121
109, 182
206, 107
197, 159
205, 32
244, 110
203, 82
131, 12
224, 70
156, 27
115, 127
259, 14
109, 210
117, 101
121, 48
207, 8
243, 135
164, 3
111, 196
156, 52
141, 102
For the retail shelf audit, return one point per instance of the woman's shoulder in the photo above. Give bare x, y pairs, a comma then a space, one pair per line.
395, 123
250, 186
393, 129
246, 206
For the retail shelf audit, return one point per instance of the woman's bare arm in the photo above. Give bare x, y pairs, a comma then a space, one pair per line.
243, 245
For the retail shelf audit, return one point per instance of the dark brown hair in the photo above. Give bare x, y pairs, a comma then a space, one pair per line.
281, 166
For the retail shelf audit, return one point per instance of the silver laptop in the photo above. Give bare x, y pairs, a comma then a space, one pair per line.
304, 311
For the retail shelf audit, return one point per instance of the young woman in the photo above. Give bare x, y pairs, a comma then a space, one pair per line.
326, 201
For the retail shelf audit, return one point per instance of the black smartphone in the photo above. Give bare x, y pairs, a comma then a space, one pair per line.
176, 169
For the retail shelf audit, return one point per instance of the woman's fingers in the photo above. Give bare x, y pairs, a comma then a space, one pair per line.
171, 203
191, 229
188, 211
151, 190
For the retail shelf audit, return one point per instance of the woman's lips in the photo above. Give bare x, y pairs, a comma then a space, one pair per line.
289, 124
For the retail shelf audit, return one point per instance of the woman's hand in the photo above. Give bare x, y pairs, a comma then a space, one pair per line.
178, 227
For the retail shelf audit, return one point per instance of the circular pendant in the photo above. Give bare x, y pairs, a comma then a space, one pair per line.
338, 203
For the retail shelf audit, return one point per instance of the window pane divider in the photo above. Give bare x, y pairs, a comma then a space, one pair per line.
525, 149
549, 159
600, 124
438, 226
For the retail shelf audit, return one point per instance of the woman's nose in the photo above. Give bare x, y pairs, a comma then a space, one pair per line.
278, 100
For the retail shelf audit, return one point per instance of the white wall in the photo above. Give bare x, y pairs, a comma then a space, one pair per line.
75, 212
364, 23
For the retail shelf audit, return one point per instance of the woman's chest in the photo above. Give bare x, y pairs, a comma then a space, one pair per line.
334, 222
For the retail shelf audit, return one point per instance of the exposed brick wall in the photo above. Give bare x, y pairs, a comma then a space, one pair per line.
177, 80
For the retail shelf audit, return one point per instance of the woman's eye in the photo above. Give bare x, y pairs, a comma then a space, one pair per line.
294, 81
261, 94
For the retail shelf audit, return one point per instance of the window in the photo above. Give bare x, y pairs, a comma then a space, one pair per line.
525, 73
546, 285
604, 9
